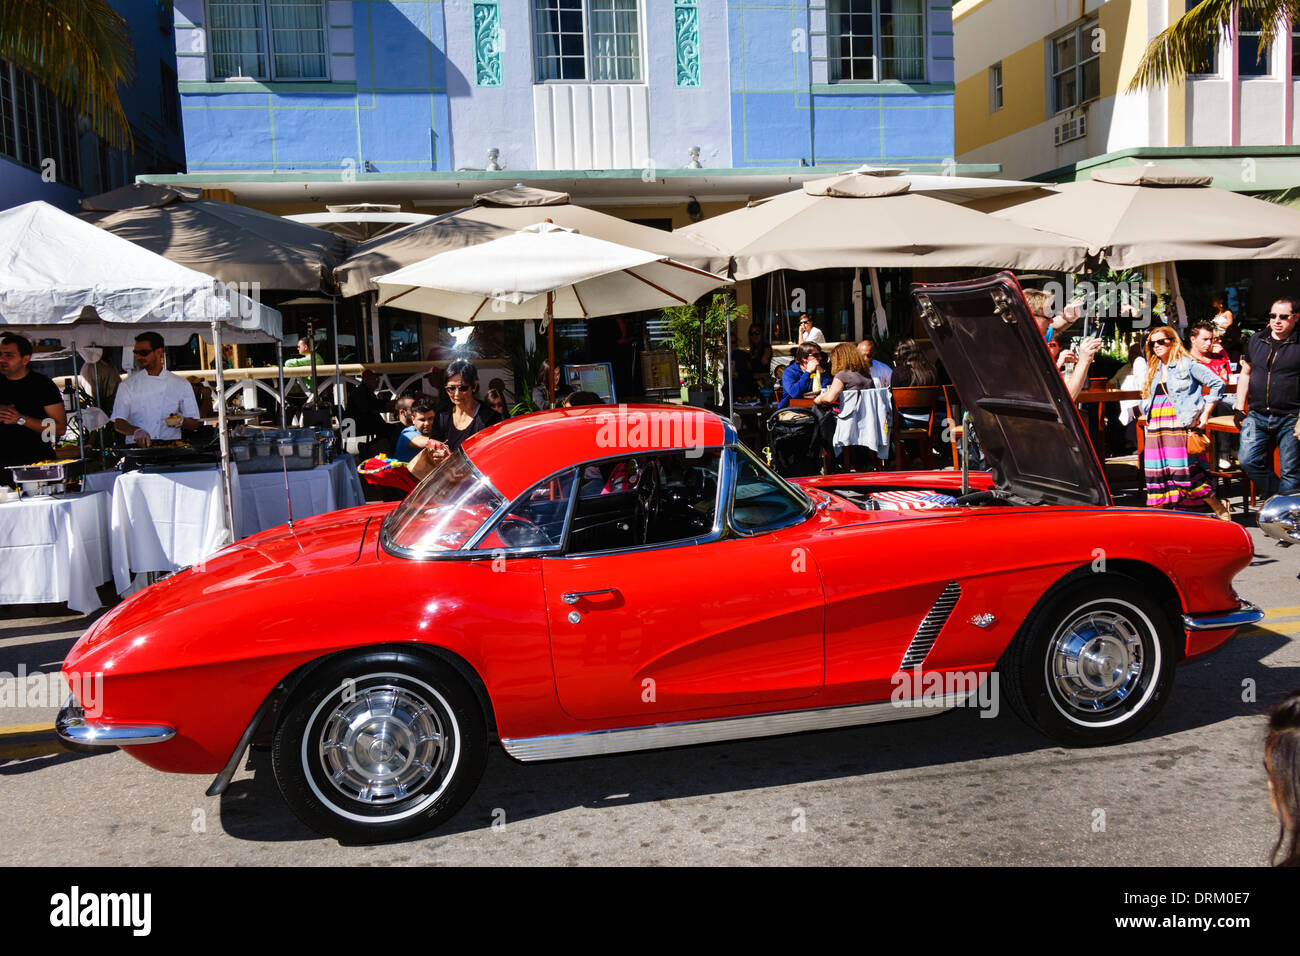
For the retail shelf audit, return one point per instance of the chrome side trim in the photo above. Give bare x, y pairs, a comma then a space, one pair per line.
931, 625
687, 733
1246, 613
73, 727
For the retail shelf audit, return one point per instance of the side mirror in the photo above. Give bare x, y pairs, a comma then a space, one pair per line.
1280, 518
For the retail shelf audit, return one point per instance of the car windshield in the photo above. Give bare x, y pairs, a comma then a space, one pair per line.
443, 513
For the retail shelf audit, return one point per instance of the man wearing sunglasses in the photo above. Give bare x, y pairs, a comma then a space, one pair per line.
1268, 402
153, 404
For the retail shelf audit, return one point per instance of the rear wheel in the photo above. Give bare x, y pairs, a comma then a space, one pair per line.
1092, 666
379, 746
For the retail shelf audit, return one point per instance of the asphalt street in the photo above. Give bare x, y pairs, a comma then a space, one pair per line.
956, 788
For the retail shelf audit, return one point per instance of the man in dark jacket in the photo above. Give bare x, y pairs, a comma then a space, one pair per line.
1268, 402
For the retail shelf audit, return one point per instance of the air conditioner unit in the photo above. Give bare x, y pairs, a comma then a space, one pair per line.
1071, 129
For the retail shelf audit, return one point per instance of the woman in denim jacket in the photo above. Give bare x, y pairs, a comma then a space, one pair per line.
1173, 405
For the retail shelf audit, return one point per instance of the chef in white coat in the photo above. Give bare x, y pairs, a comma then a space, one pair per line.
153, 404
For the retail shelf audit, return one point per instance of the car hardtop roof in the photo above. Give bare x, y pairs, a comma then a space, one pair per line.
519, 452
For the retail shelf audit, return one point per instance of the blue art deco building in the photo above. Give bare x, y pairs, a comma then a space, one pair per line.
657, 110
418, 86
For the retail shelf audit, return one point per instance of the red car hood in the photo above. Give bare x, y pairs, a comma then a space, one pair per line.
322, 543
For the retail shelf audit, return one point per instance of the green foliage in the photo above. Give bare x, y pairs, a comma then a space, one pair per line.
526, 370
688, 335
81, 50
1180, 49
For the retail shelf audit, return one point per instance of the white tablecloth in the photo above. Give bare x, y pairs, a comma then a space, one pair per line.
165, 521
327, 488
54, 550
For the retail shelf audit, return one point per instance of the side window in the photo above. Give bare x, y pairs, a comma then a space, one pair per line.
762, 500
655, 498
536, 520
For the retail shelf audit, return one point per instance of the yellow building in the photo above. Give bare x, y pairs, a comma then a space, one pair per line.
1041, 88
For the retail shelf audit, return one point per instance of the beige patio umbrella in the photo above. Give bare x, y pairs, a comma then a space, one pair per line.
233, 243
501, 213
361, 221
546, 272
859, 218
1134, 216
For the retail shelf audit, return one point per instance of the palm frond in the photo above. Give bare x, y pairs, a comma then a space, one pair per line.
81, 50
1180, 49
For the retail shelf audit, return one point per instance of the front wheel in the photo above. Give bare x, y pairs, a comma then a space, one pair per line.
1094, 665
379, 746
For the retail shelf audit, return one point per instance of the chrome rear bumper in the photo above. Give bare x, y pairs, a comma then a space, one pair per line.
1246, 613
73, 727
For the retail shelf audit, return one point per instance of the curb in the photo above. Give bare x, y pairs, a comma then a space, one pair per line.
30, 740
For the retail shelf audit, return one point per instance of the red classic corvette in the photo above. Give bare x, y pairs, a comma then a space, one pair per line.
598, 580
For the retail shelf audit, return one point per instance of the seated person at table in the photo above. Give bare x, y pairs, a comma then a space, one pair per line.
743, 388
852, 374
422, 412
496, 400
364, 410
304, 358
468, 416
153, 404
796, 380
31, 408
881, 374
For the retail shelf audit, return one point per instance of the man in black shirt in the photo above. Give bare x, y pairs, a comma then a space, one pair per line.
31, 408
1268, 388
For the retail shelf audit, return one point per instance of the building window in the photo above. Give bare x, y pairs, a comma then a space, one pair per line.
598, 40
35, 128
1251, 61
1206, 59
995, 87
876, 40
1076, 67
268, 39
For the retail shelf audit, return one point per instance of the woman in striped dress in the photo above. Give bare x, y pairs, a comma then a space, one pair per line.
1173, 405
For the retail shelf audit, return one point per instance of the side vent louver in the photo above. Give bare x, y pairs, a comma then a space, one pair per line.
930, 627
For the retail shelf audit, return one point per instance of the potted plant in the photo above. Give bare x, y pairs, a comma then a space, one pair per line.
526, 370
698, 335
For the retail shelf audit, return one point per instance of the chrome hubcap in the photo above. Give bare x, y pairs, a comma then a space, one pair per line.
382, 745
1096, 661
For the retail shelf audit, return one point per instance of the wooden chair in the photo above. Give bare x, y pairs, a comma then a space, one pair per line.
921, 399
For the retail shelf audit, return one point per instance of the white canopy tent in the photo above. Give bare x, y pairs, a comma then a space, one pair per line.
65, 279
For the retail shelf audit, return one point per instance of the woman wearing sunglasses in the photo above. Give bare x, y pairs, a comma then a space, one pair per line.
467, 416
1175, 410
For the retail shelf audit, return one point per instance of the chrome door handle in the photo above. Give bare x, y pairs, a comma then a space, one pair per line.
573, 597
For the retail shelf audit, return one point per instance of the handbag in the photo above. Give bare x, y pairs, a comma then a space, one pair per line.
1198, 442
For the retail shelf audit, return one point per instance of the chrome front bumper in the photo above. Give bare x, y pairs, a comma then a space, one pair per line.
1246, 613
73, 727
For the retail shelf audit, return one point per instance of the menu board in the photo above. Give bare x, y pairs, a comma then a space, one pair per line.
659, 371
596, 377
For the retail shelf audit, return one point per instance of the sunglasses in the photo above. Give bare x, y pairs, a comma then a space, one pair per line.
1280, 315
1161, 341
458, 388
144, 351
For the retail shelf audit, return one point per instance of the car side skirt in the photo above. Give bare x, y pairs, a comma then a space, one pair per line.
688, 733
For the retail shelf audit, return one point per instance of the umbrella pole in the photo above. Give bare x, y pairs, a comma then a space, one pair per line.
222, 437
882, 326
76, 410
730, 385
279, 362
550, 346
1179, 306
338, 399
